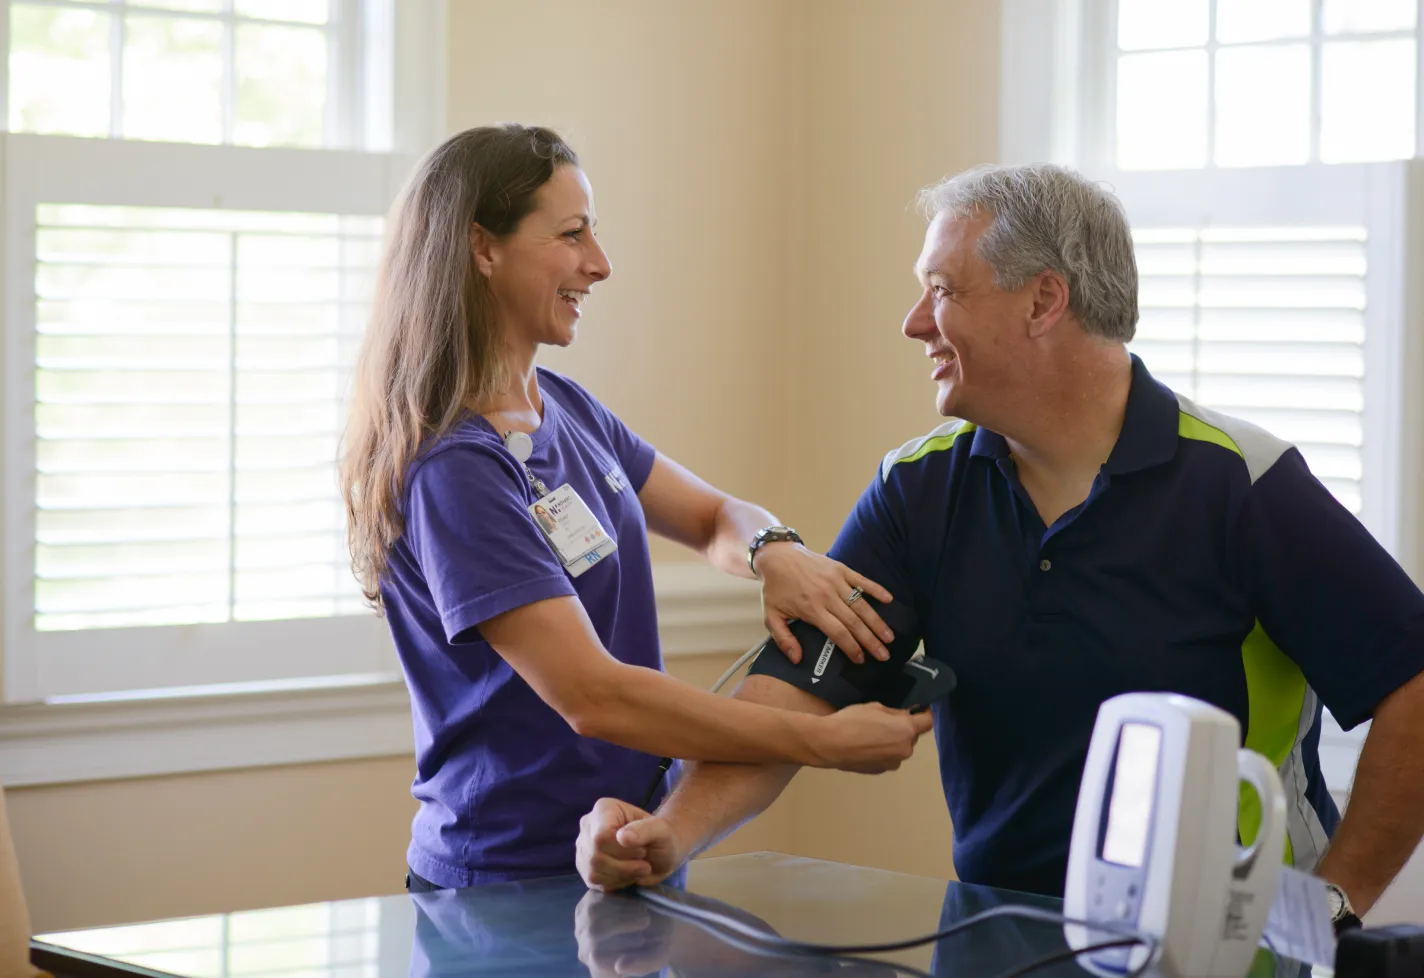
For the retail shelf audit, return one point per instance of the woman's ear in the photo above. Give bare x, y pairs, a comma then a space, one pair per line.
482, 247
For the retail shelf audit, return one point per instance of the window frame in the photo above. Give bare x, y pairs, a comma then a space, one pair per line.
143, 667
57, 169
354, 119
1090, 26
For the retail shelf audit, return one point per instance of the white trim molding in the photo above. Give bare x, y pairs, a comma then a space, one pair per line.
44, 743
177, 731
703, 610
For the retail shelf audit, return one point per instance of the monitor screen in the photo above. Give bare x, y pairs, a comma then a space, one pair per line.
1133, 791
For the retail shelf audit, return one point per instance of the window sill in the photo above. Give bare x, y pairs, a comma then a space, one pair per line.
175, 732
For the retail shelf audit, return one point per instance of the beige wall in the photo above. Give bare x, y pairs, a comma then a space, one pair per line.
753, 162
900, 95
677, 111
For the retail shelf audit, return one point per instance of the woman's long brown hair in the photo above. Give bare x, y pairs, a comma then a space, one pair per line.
432, 351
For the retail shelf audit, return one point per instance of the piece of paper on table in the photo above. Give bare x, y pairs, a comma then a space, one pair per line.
1299, 924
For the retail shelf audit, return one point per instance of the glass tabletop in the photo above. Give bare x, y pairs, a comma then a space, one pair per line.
557, 927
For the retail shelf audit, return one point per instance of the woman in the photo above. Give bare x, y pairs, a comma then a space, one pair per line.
521, 647
542, 517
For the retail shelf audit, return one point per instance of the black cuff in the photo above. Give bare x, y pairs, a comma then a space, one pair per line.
826, 672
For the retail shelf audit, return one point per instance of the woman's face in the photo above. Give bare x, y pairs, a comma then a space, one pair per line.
542, 272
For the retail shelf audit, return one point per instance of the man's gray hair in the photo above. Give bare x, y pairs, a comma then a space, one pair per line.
1050, 217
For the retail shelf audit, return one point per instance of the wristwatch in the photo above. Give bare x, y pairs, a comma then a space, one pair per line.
770, 534
1342, 915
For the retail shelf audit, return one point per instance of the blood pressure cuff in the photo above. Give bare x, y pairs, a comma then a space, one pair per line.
825, 671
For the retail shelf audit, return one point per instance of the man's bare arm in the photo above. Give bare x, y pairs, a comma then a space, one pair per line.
620, 845
1386, 816
714, 799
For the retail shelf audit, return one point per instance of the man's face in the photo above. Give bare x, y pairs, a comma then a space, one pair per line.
972, 329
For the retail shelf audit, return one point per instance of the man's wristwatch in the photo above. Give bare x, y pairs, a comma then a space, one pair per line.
1342, 915
770, 534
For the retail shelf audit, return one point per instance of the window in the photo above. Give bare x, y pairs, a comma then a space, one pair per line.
190, 236
240, 72
1263, 82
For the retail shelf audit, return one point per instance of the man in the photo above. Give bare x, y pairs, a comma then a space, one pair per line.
1085, 532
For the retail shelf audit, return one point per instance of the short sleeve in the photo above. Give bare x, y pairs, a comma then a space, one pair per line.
475, 543
872, 543
1327, 593
634, 454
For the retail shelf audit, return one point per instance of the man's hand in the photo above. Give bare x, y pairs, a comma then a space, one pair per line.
869, 738
620, 845
800, 584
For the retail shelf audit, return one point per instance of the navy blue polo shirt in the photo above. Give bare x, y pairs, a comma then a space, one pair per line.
1206, 560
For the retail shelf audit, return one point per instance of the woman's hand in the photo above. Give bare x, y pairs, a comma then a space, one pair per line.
799, 583
869, 738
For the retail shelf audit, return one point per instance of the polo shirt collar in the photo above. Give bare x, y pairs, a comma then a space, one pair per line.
1149, 428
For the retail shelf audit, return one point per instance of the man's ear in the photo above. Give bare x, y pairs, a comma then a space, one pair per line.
1049, 292
482, 247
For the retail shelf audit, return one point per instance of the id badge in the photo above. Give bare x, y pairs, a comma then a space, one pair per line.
572, 530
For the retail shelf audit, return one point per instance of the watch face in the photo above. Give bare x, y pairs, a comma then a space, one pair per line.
1337, 902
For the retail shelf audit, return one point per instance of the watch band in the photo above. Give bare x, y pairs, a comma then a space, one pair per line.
1347, 922
770, 534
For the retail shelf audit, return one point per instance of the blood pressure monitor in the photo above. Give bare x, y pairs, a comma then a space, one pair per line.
1154, 839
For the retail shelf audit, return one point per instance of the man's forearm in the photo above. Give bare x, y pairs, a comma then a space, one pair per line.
1386, 815
712, 800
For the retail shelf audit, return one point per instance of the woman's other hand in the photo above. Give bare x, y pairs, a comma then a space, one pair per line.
799, 583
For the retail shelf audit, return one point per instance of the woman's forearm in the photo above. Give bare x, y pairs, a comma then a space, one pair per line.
655, 713
552, 646
712, 800
682, 507
737, 522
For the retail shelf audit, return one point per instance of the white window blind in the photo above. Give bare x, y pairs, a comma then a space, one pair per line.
190, 374
1266, 324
